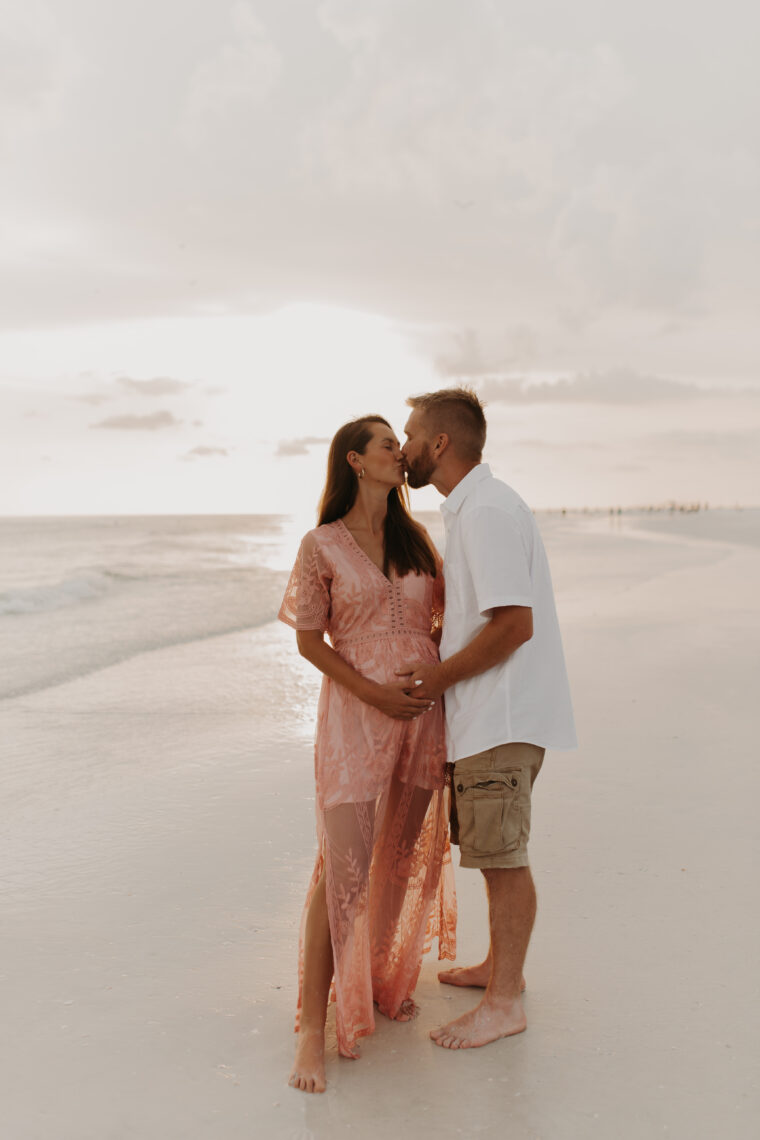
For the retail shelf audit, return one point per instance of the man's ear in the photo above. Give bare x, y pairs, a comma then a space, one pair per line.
441, 443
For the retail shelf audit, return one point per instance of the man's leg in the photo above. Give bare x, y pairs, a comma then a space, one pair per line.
493, 790
476, 976
511, 913
473, 977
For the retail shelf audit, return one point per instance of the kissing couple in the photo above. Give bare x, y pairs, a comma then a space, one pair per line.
444, 682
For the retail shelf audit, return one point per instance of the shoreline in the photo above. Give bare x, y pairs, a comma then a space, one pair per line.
634, 524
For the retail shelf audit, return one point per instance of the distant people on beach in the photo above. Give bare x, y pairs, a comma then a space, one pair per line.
507, 698
382, 887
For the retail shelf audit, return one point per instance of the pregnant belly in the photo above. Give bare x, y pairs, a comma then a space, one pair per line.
380, 659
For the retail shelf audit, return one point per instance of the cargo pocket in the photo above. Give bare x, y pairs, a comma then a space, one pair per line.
489, 811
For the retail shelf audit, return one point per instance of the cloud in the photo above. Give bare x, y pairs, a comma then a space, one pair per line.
560, 445
620, 386
354, 26
159, 386
445, 164
470, 353
202, 452
708, 445
154, 422
299, 446
240, 76
38, 63
93, 398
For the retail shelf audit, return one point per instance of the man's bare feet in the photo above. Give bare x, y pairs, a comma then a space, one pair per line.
487, 1022
308, 1072
470, 976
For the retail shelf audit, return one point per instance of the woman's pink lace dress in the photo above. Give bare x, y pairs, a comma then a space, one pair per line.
381, 818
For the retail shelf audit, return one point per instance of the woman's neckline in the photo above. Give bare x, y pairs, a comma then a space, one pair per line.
364, 554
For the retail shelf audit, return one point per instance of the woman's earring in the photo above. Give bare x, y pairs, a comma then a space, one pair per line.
361, 473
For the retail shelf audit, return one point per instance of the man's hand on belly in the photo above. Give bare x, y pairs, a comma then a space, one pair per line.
423, 679
398, 700
507, 629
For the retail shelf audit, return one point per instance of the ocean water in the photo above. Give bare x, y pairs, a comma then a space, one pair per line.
78, 594
738, 526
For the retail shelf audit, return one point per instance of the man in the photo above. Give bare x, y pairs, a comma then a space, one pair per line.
507, 697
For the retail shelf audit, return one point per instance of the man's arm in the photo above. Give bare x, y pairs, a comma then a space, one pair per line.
508, 628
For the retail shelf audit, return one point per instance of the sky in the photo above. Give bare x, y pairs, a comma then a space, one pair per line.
226, 228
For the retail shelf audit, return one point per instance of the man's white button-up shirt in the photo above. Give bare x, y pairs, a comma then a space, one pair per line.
495, 557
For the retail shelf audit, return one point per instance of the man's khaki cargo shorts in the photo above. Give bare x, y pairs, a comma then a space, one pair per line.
490, 805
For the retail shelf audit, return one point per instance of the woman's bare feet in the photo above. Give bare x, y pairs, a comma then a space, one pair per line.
470, 976
308, 1072
407, 1011
487, 1022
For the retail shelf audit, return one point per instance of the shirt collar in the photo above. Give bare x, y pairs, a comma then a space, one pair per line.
454, 500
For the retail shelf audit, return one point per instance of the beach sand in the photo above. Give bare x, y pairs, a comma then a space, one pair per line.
152, 895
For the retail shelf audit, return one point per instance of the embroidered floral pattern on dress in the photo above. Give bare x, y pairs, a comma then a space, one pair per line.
382, 822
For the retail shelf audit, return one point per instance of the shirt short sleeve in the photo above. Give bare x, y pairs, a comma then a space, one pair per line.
306, 604
498, 558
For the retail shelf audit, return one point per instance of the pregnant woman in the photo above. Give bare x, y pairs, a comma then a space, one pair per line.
382, 886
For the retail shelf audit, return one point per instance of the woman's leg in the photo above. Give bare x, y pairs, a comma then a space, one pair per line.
308, 1073
349, 840
336, 927
405, 812
397, 857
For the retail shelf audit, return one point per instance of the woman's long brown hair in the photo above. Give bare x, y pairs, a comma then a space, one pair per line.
407, 546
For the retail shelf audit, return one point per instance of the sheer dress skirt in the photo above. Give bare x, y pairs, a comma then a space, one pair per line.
384, 850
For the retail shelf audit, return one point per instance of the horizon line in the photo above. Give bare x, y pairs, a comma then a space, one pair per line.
675, 505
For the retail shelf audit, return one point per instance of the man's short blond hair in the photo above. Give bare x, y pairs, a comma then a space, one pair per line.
459, 413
